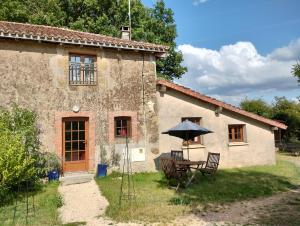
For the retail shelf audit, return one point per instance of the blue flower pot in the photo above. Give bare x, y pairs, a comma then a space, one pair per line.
101, 170
53, 175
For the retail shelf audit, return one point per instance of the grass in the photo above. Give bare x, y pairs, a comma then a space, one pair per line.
152, 199
47, 200
157, 203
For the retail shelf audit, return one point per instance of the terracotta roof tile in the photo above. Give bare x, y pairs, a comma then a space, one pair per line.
63, 35
218, 103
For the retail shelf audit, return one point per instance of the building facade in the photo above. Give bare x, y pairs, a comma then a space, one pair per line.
86, 89
241, 138
91, 91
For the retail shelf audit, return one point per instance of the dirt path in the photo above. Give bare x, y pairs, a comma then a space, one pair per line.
248, 212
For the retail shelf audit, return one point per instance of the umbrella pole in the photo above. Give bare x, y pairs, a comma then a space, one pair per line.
188, 149
187, 146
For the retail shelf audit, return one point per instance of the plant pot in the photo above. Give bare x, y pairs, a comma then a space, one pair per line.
101, 170
53, 175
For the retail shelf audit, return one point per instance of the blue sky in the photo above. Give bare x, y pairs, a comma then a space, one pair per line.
238, 48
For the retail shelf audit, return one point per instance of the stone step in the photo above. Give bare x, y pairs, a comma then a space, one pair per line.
76, 178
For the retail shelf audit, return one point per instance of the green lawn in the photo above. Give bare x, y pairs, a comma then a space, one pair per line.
156, 202
47, 201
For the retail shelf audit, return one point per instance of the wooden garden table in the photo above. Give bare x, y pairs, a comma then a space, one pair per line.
189, 165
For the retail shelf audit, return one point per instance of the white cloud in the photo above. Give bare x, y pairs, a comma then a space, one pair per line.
198, 2
290, 52
238, 70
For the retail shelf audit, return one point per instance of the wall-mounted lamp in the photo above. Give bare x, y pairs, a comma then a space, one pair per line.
218, 110
76, 108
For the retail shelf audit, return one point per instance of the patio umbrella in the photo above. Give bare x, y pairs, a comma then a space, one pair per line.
187, 130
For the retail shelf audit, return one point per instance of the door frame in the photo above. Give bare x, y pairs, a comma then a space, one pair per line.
79, 165
58, 138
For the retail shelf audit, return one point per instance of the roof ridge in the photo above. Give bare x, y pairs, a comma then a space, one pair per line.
219, 103
61, 28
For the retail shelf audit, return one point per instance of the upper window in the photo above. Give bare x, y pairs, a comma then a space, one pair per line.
82, 70
236, 133
122, 126
198, 139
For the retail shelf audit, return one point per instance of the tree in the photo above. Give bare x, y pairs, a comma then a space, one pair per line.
281, 110
289, 113
296, 71
257, 106
154, 25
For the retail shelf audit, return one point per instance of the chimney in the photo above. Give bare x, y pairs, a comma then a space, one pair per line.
125, 33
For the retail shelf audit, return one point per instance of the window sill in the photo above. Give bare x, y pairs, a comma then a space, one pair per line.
193, 146
238, 144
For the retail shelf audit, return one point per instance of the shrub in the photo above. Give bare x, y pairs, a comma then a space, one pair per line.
20, 159
52, 162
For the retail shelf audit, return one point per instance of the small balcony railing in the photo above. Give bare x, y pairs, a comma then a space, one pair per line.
82, 74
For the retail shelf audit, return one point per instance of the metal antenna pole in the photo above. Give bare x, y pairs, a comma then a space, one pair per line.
129, 18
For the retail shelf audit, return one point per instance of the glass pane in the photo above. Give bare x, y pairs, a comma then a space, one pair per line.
118, 123
81, 125
118, 131
75, 136
81, 135
75, 145
76, 74
68, 126
68, 156
81, 155
68, 146
75, 59
88, 60
81, 145
68, 135
75, 125
75, 156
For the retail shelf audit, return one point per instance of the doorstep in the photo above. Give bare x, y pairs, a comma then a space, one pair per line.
76, 178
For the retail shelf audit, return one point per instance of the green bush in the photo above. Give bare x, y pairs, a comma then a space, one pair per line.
52, 162
20, 158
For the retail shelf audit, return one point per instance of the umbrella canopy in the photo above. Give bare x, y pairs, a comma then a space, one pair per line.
187, 130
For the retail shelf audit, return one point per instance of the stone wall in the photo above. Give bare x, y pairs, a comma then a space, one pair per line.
35, 75
258, 148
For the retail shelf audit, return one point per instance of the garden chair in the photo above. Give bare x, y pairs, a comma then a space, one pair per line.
170, 170
177, 155
211, 164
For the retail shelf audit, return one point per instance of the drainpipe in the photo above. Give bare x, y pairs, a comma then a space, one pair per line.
144, 107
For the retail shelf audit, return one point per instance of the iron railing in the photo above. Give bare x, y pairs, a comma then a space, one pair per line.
82, 74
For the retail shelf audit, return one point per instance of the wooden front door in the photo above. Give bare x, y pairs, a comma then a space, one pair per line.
75, 144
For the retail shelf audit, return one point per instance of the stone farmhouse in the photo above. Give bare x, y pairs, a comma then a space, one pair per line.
88, 88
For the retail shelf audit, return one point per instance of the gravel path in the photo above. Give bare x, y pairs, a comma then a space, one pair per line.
82, 203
